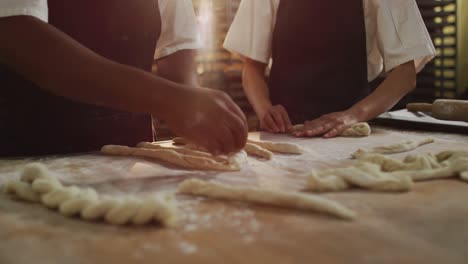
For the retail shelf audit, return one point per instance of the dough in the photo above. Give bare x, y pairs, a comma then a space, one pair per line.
365, 175
380, 173
269, 197
179, 141
35, 185
173, 157
394, 148
183, 150
258, 151
356, 130
287, 148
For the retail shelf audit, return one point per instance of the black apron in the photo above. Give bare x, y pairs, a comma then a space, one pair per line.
35, 122
319, 57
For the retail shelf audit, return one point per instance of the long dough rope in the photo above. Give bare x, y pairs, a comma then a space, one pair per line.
281, 147
36, 185
404, 146
174, 157
183, 150
356, 130
380, 173
269, 197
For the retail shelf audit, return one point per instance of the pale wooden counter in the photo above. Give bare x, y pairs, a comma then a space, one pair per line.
427, 225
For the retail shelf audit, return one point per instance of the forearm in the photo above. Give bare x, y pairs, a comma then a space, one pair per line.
179, 67
256, 88
397, 84
60, 65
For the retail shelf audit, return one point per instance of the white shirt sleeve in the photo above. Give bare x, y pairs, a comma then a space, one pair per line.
179, 27
251, 32
401, 34
36, 8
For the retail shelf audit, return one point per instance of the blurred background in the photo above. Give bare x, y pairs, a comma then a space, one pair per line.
444, 77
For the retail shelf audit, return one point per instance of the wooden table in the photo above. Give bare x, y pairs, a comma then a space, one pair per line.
426, 225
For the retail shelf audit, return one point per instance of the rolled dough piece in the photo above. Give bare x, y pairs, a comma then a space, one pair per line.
258, 151
183, 150
269, 197
356, 130
287, 148
411, 162
173, 157
36, 185
395, 148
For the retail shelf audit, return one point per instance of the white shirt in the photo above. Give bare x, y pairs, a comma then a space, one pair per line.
395, 33
179, 28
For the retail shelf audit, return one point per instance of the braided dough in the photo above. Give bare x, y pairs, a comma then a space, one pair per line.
404, 146
269, 197
36, 185
183, 150
356, 130
287, 148
174, 157
380, 173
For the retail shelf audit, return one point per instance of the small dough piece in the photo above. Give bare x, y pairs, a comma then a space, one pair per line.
357, 130
36, 185
173, 157
404, 146
258, 151
287, 148
269, 197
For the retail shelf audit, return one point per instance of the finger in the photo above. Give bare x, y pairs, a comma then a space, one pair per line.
335, 131
236, 109
239, 132
286, 121
320, 130
271, 123
278, 118
226, 139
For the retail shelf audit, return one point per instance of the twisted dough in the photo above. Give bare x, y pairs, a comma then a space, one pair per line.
356, 130
35, 185
258, 151
269, 197
404, 146
380, 173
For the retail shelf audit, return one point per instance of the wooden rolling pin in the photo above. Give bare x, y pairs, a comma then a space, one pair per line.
445, 109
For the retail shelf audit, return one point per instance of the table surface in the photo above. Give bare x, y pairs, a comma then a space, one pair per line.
427, 225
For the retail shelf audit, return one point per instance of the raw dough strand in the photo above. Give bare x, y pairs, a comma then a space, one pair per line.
404, 146
287, 148
356, 130
258, 151
173, 157
182, 150
36, 185
269, 197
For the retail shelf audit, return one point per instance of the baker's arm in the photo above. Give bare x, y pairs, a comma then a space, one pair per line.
273, 118
60, 65
399, 82
179, 67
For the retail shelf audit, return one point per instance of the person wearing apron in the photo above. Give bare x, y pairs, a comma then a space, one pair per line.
323, 56
90, 87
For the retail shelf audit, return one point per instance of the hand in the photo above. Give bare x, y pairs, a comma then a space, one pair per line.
330, 125
276, 120
210, 119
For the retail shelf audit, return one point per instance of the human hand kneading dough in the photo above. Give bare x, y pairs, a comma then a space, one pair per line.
329, 125
210, 119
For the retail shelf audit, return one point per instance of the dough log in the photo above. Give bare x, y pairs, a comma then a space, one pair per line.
269, 197
287, 148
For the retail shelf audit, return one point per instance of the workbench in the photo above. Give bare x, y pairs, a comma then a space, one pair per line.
427, 225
